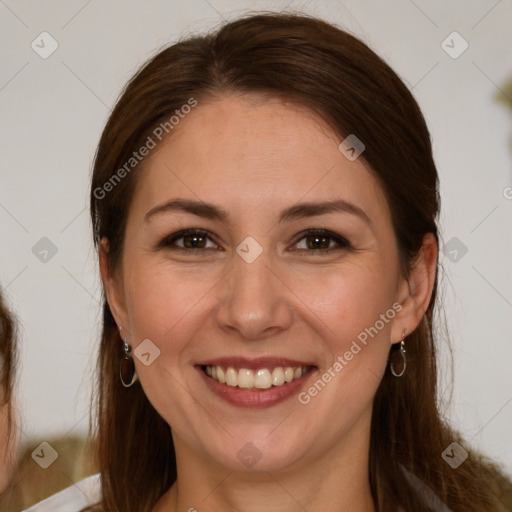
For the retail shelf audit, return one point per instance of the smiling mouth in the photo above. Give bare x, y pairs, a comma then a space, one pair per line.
255, 379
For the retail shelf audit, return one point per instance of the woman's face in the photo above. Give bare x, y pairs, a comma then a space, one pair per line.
252, 290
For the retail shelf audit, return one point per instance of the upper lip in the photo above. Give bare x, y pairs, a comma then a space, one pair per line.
254, 363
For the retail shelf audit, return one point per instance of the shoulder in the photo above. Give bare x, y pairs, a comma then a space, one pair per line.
82, 494
426, 493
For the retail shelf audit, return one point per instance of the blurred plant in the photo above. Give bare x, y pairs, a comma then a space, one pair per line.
504, 96
31, 483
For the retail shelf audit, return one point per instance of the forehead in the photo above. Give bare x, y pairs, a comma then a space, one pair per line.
253, 153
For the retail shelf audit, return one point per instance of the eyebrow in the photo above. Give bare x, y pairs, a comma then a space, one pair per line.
298, 211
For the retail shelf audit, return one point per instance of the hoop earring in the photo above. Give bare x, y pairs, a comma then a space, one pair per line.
404, 360
127, 367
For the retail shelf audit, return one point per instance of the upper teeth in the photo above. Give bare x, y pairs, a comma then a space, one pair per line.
262, 378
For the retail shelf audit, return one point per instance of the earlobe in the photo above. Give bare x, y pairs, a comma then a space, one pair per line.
416, 291
113, 293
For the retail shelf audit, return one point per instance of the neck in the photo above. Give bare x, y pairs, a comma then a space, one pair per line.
336, 481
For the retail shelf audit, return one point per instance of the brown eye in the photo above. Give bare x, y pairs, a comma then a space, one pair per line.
322, 242
318, 242
187, 239
194, 241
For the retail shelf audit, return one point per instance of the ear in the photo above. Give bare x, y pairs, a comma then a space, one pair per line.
113, 286
415, 292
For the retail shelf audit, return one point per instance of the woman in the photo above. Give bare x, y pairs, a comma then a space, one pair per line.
8, 433
264, 203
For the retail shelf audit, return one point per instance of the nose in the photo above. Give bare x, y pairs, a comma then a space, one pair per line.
255, 302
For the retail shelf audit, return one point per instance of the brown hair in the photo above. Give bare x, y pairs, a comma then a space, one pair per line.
337, 76
7, 353
8, 359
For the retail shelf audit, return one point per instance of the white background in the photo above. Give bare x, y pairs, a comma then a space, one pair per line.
53, 111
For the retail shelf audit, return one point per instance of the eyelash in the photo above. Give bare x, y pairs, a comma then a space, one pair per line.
169, 241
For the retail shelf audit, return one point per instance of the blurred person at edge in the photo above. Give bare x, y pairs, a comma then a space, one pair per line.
8, 432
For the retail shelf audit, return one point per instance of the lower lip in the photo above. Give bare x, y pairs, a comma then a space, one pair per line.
255, 398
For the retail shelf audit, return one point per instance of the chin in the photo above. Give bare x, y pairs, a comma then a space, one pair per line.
259, 449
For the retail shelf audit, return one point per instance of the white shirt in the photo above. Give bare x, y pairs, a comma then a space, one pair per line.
82, 494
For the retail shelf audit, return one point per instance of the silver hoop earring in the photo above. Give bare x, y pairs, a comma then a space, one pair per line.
127, 371
404, 360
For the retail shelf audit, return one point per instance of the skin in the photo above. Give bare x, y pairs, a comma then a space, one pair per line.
4, 469
8, 445
254, 157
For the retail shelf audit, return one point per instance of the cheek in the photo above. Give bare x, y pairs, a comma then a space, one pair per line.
160, 299
352, 310
165, 306
349, 301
